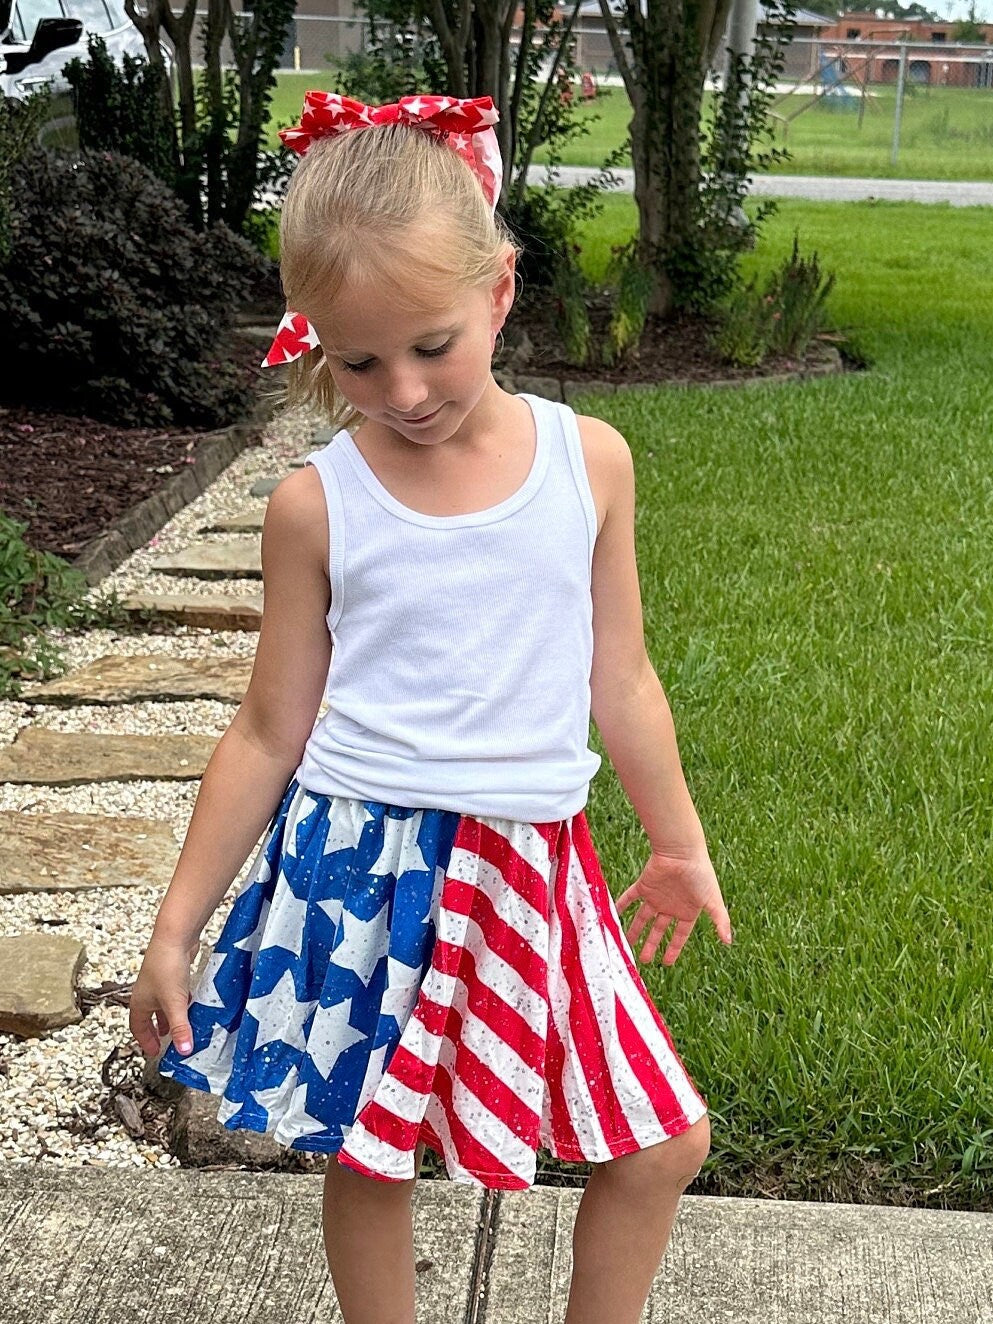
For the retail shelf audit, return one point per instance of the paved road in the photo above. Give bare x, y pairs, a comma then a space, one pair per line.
822, 189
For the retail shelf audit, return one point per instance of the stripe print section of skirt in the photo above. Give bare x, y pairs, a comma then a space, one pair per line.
388, 976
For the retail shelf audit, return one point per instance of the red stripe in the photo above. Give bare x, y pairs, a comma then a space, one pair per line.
564, 1137
585, 1029
499, 936
502, 1018
523, 877
473, 1156
598, 886
648, 1070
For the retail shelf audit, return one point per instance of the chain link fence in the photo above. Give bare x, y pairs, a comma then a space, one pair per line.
870, 107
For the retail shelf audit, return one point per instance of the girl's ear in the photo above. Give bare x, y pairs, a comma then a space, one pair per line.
504, 290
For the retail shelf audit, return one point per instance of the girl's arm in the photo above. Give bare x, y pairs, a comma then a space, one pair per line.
261, 749
633, 716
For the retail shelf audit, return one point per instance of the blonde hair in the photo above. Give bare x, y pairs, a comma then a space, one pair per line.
390, 203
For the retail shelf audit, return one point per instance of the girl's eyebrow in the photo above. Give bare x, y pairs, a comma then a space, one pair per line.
425, 335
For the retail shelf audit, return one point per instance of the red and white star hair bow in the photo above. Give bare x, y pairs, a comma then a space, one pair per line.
464, 125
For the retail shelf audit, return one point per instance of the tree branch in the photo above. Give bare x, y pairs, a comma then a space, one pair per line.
624, 67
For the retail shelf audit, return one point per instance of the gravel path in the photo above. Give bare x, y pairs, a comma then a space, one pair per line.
51, 1086
957, 193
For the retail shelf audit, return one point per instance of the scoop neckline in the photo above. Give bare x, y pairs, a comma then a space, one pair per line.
488, 515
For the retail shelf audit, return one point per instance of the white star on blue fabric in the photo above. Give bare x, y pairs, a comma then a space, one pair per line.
280, 1015
285, 925
363, 943
330, 1035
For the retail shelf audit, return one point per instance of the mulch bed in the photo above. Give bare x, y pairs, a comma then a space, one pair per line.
674, 351
69, 477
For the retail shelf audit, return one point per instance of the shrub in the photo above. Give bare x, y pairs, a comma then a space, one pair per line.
38, 591
113, 305
121, 109
781, 318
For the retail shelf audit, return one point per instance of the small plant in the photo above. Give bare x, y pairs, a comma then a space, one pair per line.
632, 292
780, 318
572, 292
798, 292
39, 592
743, 336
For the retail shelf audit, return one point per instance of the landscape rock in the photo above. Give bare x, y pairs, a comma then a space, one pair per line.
235, 558
68, 852
249, 521
113, 679
74, 758
265, 486
38, 973
210, 611
199, 1140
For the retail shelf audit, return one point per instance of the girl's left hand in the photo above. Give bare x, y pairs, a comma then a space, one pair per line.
673, 887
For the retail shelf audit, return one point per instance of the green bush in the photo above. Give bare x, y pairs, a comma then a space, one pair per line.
113, 305
122, 109
780, 317
38, 592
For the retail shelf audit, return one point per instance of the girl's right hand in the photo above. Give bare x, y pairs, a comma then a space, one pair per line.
161, 997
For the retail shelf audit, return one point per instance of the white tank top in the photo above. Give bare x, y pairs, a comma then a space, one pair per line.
462, 644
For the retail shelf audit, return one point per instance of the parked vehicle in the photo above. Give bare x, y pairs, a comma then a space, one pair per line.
27, 64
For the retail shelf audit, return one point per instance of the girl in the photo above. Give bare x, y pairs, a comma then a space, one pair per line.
425, 950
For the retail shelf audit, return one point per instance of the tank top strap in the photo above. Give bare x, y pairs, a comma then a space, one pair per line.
326, 462
563, 428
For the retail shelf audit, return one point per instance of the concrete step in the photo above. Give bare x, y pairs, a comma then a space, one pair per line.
75, 758
235, 558
103, 1245
211, 611
114, 679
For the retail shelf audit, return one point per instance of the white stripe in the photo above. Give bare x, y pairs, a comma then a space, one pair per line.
634, 1005
515, 911
575, 1091
503, 1060
526, 840
378, 1155
601, 976
494, 973
485, 1127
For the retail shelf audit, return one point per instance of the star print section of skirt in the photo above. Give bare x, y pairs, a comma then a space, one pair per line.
388, 976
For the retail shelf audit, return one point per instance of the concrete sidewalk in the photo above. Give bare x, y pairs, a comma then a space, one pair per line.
108, 1246
817, 188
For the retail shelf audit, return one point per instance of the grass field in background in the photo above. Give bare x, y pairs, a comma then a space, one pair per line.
817, 574
947, 133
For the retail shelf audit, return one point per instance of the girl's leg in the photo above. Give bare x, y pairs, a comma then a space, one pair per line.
623, 1224
369, 1241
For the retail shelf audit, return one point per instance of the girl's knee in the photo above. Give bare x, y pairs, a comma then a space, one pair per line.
674, 1162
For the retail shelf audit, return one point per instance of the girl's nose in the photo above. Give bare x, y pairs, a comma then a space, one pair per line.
405, 391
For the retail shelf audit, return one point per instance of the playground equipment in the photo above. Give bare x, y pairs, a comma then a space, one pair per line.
841, 82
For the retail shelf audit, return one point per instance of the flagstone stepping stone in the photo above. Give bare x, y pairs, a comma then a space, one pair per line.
72, 852
133, 679
211, 611
236, 558
249, 521
38, 973
71, 758
265, 486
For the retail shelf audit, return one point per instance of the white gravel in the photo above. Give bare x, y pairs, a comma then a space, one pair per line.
53, 1083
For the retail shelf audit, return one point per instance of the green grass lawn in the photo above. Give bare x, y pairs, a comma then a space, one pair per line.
947, 133
818, 584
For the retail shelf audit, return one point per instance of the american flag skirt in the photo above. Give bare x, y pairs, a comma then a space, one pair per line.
388, 976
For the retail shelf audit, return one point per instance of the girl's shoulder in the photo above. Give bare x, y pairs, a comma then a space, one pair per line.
296, 515
609, 465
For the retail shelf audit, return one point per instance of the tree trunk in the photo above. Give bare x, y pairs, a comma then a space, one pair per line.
664, 60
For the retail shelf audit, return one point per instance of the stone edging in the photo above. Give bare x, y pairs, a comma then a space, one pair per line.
132, 530
564, 389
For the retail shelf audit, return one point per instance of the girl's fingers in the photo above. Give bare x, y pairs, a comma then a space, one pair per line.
643, 917
656, 935
681, 932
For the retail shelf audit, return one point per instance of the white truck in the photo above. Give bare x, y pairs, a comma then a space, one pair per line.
39, 37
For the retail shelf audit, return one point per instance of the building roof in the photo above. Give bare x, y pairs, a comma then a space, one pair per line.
805, 18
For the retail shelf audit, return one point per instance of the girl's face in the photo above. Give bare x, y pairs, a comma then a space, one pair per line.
420, 373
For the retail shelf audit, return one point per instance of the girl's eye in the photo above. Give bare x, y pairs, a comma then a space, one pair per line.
437, 351
357, 367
